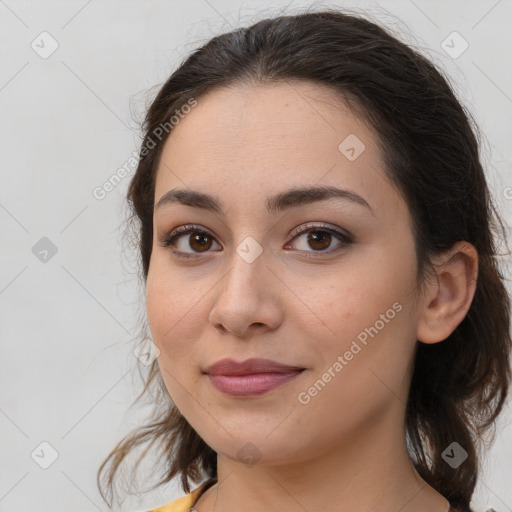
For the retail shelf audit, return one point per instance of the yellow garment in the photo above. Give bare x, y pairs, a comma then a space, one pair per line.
184, 503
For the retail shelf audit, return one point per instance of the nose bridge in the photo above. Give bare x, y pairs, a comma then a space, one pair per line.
246, 295
247, 266
248, 254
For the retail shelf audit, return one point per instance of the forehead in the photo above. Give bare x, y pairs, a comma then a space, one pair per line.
259, 139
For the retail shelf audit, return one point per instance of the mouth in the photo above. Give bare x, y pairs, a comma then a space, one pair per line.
249, 367
252, 384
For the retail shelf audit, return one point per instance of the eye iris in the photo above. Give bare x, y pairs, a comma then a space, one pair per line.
314, 237
200, 238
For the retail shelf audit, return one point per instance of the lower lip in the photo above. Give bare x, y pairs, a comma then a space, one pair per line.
254, 384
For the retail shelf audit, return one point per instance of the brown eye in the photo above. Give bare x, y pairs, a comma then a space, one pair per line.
319, 240
200, 242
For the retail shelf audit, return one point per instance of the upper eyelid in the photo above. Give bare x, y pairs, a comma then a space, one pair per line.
185, 228
319, 225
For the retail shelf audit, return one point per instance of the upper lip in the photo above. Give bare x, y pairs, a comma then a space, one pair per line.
247, 367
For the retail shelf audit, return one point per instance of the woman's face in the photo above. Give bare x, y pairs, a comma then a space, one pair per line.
249, 285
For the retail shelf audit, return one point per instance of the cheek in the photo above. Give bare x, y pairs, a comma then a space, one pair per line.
372, 339
339, 304
368, 305
170, 326
159, 304
176, 313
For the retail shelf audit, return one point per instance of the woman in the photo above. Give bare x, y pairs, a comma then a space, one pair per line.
318, 249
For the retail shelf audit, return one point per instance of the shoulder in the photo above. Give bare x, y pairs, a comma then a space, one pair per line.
184, 503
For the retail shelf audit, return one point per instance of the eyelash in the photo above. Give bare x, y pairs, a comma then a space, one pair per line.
169, 239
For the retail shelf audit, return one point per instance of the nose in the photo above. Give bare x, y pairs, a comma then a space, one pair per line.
247, 299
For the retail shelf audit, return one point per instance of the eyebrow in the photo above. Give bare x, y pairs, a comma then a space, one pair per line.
292, 198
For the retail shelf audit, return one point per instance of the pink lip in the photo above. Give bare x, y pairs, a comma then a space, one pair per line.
251, 384
250, 377
249, 366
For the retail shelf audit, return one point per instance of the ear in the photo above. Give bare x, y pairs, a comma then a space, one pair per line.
448, 294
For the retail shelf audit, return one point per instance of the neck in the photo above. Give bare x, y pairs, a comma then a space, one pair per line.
370, 472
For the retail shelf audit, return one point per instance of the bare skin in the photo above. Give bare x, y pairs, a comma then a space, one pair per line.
344, 449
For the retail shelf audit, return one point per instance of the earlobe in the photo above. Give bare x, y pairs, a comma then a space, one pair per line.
448, 293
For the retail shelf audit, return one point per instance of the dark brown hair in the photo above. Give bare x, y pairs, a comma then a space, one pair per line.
430, 145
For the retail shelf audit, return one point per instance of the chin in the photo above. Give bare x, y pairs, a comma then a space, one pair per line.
259, 448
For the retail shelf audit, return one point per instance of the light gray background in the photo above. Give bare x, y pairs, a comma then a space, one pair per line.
67, 326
